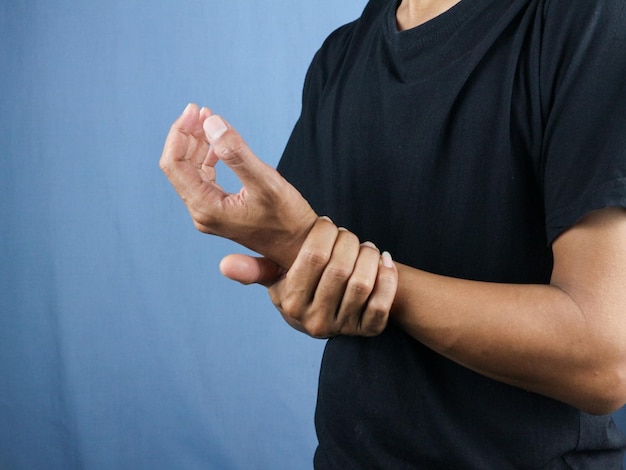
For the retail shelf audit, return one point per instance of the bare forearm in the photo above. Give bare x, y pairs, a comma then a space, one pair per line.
531, 336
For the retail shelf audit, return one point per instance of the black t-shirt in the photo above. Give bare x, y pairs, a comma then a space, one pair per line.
464, 146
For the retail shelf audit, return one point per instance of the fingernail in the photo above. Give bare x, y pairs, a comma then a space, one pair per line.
187, 108
387, 261
370, 244
214, 127
325, 217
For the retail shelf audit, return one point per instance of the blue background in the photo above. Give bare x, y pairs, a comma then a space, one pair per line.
121, 346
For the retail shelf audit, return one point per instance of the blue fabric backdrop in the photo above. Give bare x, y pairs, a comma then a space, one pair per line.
121, 346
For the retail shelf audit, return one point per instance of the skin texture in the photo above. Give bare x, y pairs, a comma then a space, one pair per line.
566, 340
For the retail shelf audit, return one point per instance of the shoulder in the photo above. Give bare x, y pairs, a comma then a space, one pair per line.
583, 17
339, 41
583, 36
326, 59
337, 45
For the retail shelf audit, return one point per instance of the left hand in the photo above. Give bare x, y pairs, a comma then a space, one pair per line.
336, 285
268, 215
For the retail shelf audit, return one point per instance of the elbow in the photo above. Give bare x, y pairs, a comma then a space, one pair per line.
607, 393
603, 406
602, 379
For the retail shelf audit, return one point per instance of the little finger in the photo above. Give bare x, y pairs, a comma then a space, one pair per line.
376, 315
358, 289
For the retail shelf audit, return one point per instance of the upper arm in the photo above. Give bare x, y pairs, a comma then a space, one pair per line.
590, 266
590, 260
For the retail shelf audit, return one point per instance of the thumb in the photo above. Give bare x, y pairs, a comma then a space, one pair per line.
230, 147
250, 270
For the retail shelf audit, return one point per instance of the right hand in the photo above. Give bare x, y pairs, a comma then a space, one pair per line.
336, 286
268, 215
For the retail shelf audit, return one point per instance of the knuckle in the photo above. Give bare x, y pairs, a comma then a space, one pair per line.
294, 303
387, 276
378, 307
201, 221
360, 286
230, 147
348, 237
377, 323
339, 271
290, 307
325, 225
315, 257
317, 328
380, 317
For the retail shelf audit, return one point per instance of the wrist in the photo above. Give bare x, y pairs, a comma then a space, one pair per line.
287, 252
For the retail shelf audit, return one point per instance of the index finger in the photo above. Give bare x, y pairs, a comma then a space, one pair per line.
313, 257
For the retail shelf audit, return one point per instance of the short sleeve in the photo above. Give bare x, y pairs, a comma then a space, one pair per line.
302, 138
583, 82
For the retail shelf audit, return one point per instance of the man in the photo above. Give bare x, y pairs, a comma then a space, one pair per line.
482, 142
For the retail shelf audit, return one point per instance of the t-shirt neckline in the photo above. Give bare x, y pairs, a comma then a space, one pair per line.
429, 32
